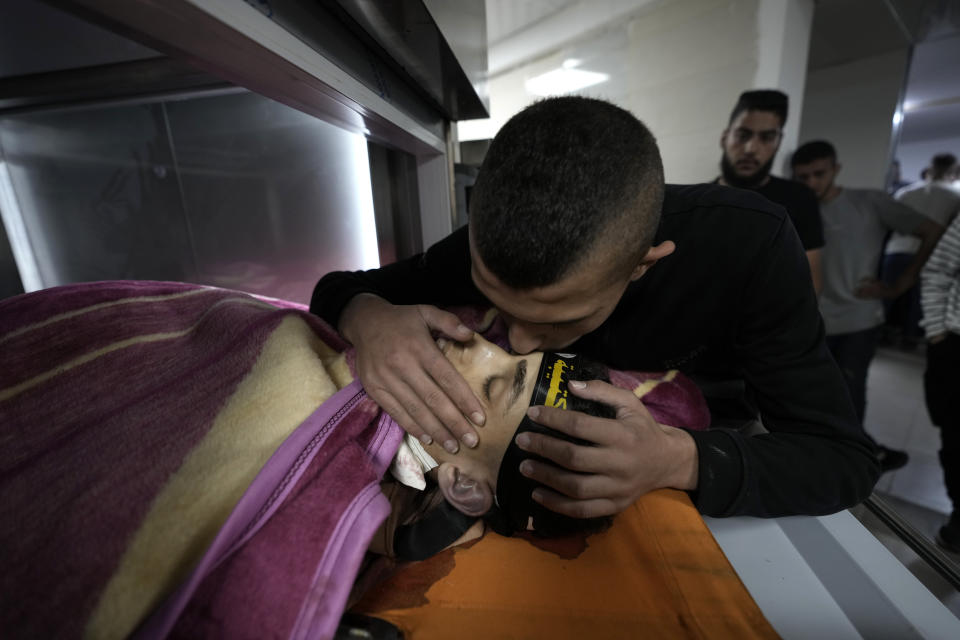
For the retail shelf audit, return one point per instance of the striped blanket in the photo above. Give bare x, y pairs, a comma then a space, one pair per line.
187, 461
138, 420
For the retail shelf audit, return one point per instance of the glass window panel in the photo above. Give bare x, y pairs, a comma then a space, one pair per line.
97, 194
274, 197
234, 190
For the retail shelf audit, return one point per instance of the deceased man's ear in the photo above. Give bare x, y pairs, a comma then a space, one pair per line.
465, 489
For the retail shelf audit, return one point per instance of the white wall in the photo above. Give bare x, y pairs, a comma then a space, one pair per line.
852, 106
785, 44
690, 62
679, 66
915, 156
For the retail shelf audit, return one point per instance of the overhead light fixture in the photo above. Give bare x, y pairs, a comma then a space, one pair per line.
566, 79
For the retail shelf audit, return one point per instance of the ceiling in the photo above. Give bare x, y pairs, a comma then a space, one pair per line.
506, 17
848, 30
931, 107
843, 31
935, 71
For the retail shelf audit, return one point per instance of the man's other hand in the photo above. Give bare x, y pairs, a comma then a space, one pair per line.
402, 368
871, 288
632, 455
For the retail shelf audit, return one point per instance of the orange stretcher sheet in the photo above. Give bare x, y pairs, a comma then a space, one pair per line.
656, 573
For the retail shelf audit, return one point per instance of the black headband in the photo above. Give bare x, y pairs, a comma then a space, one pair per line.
515, 506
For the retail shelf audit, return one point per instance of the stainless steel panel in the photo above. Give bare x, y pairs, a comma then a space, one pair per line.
274, 197
97, 193
452, 70
106, 84
464, 27
323, 26
37, 38
236, 191
313, 65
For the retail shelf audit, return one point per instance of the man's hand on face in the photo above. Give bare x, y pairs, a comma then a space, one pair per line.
404, 371
632, 456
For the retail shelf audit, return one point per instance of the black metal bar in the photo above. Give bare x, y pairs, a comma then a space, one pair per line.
928, 552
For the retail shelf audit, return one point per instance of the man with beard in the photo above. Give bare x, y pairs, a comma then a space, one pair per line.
750, 143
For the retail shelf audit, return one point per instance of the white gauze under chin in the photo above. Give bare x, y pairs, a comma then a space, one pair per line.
411, 463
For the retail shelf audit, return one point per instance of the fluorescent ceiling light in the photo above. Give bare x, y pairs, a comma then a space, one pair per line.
564, 80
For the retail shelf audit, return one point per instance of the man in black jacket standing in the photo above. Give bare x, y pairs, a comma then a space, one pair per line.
576, 240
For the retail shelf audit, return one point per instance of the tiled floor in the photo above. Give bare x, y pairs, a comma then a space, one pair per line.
897, 417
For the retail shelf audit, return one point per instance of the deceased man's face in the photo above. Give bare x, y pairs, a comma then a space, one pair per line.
504, 384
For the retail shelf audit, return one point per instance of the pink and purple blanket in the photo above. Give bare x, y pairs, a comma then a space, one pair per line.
187, 461
152, 430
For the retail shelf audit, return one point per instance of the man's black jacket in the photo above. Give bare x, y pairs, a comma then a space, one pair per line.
735, 300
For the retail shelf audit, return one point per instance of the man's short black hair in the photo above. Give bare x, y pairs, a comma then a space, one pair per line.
762, 100
941, 164
811, 151
567, 181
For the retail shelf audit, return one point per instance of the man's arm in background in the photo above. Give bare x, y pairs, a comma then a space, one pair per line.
904, 219
816, 270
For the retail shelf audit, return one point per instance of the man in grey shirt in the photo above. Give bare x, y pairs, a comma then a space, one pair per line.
855, 223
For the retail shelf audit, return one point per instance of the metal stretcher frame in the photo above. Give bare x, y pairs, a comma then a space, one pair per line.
829, 576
